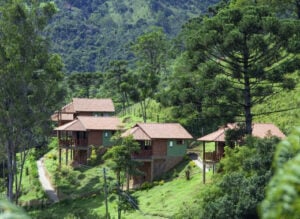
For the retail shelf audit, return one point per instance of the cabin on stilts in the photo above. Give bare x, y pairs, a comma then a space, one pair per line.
211, 158
82, 124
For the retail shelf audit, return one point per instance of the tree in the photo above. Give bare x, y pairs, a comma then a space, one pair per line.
29, 84
247, 54
239, 184
117, 82
286, 8
81, 83
283, 193
120, 155
150, 50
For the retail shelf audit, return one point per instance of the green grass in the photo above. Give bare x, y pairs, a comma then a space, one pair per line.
162, 201
74, 182
31, 187
285, 107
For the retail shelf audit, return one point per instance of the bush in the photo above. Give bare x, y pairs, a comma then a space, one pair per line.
146, 185
96, 156
191, 164
161, 182
81, 176
175, 173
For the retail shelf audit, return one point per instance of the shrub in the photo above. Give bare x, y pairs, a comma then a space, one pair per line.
175, 173
54, 157
81, 176
146, 185
191, 164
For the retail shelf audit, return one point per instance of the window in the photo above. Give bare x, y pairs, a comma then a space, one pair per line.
180, 142
147, 143
171, 143
97, 114
106, 134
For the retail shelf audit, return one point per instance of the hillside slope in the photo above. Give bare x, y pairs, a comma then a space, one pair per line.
90, 33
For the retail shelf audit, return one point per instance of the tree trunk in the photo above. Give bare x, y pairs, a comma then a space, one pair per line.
247, 106
10, 182
127, 180
10, 169
247, 89
119, 195
144, 110
298, 8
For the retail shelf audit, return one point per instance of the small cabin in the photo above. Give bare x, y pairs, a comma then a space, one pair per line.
163, 146
260, 130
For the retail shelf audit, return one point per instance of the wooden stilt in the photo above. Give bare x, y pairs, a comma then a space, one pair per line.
67, 155
59, 157
203, 161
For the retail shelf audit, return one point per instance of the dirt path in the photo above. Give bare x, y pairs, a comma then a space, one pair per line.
46, 184
198, 161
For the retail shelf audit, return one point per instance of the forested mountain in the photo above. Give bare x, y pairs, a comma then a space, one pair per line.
88, 34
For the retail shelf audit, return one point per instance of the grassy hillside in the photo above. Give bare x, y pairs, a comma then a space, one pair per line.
282, 109
89, 34
82, 191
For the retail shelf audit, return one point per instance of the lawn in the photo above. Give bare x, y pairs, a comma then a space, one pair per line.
164, 200
31, 188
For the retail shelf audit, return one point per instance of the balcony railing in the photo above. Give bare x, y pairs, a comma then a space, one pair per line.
212, 156
73, 142
142, 154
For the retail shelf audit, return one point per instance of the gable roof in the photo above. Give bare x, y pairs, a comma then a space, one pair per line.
148, 131
260, 130
83, 105
93, 105
63, 117
85, 123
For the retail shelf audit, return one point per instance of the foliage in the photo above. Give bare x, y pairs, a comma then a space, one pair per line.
243, 172
120, 156
8, 210
284, 8
173, 191
245, 55
30, 83
81, 84
90, 34
283, 109
150, 49
283, 194
235, 135
96, 156
118, 84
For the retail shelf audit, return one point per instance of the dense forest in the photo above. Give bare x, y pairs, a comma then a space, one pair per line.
90, 34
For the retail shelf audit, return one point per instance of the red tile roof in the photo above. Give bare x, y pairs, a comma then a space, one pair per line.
84, 123
260, 130
93, 105
74, 125
63, 117
84, 105
137, 133
147, 131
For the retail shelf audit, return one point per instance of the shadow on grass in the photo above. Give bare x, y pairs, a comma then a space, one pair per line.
76, 208
175, 172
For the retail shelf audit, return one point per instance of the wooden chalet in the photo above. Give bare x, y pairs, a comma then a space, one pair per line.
260, 130
83, 107
81, 134
163, 145
84, 123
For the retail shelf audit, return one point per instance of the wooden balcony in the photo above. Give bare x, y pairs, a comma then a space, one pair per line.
143, 154
212, 156
73, 143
